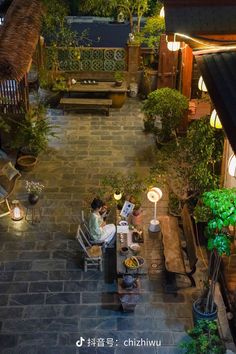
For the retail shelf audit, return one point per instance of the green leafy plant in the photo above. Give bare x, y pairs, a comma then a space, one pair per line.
46, 80
55, 27
130, 8
118, 76
205, 339
130, 185
32, 132
222, 206
204, 148
170, 105
201, 212
151, 32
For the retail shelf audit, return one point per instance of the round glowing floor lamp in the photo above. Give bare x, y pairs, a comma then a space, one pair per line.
154, 195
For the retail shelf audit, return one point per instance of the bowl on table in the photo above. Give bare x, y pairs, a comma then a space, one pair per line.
124, 250
134, 262
135, 248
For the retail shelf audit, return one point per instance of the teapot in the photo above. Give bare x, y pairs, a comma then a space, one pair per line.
128, 281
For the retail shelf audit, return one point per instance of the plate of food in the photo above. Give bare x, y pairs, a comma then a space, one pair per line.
134, 262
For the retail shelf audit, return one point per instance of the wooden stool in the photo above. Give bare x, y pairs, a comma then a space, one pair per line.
33, 213
128, 297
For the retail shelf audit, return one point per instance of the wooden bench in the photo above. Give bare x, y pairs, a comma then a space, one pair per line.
72, 102
175, 253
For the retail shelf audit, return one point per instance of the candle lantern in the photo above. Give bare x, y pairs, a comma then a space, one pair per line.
17, 212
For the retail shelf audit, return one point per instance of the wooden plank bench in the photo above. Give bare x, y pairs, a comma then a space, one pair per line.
72, 102
174, 252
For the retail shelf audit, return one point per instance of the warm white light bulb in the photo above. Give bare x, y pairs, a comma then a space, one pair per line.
232, 165
215, 120
162, 12
173, 46
16, 212
201, 85
117, 195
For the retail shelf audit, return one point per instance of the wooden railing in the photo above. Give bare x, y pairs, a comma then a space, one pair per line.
13, 97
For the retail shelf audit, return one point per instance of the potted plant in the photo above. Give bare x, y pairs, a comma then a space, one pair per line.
34, 190
30, 135
51, 87
129, 187
119, 77
222, 208
205, 339
169, 105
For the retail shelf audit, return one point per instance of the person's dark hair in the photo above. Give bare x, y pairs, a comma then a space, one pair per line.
96, 203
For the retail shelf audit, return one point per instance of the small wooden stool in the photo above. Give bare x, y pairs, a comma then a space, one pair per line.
33, 213
128, 297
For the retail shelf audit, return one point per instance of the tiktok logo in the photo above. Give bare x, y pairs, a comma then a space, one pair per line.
79, 342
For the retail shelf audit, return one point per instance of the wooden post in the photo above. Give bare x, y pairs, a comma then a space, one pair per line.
133, 59
167, 66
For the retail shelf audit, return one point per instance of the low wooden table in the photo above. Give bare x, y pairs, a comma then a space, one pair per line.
120, 267
108, 89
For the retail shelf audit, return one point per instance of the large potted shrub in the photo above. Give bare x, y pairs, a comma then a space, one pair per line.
168, 105
204, 339
30, 135
222, 208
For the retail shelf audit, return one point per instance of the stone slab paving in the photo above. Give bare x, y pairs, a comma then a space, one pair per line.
47, 302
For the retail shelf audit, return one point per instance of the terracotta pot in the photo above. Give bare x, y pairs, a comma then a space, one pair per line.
26, 162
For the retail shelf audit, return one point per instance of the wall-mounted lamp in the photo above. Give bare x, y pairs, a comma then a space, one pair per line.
173, 46
154, 195
17, 211
201, 85
232, 165
162, 12
215, 120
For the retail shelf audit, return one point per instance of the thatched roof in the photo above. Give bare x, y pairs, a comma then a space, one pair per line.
18, 37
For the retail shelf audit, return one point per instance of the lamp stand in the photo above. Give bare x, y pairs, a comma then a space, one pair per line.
154, 224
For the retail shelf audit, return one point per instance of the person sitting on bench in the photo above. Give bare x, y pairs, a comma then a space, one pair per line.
99, 230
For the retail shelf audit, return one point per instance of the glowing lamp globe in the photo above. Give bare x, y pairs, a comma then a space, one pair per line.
215, 120
17, 212
201, 85
232, 165
173, 46
117, 195
154, 195
162, 12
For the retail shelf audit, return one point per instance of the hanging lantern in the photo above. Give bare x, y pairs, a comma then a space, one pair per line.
232, 165
201, 85
173, 46
215, 120
17, 212
162, 12
117, 195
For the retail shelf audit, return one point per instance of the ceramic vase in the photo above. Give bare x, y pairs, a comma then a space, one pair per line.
33, 198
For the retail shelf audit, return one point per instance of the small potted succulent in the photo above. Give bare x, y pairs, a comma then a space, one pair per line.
119, 77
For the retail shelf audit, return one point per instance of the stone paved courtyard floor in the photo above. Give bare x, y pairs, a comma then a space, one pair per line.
47, 302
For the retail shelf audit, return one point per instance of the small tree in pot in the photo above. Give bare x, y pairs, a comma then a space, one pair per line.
169, 105
222, 208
